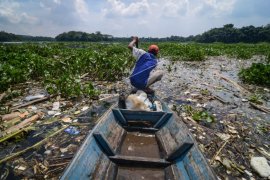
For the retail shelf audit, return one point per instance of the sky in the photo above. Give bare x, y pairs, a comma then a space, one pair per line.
125, 18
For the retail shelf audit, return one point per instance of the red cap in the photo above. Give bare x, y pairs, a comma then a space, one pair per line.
153, 49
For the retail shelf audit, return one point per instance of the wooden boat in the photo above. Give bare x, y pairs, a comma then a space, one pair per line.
135, 145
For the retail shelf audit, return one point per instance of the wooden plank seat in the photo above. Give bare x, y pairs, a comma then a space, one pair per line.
144, 121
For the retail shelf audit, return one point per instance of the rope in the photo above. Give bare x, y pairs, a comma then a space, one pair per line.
142, 71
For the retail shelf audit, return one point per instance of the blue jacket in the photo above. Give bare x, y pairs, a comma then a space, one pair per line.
143, 67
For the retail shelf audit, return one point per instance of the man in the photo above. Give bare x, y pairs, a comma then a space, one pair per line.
143, 74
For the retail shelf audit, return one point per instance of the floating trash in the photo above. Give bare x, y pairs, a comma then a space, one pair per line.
67, 120
72, 130
56, 106
30, 98
85, 108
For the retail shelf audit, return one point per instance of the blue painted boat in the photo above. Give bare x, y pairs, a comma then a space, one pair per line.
135, 145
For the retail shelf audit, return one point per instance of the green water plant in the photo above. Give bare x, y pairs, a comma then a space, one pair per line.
198, 115
258, 73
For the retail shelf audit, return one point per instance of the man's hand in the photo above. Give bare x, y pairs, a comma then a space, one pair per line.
135, 41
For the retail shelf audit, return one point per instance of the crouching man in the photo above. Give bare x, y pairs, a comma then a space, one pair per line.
144, 74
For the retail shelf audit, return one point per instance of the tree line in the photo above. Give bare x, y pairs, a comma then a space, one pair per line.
83, 36
229, 34
9, 37
226, 34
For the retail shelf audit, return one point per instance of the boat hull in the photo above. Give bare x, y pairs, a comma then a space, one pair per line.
129, 144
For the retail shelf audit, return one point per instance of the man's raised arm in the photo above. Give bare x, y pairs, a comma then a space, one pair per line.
133, 42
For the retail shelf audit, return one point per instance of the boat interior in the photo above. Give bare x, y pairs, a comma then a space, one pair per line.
136, 145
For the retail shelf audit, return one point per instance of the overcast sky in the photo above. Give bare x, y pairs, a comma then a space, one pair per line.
123, 18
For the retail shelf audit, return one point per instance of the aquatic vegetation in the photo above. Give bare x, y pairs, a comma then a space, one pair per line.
59, 66
198, 115
255, 98
203, 115
199, 52
258, 73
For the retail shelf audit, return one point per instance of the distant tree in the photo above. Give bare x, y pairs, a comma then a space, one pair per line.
228, 26
9, 37
83, 36
229, 34
226, 34
265, 33
4, 36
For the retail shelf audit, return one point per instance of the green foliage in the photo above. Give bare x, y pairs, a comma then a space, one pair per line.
229, 34
186, 52
255, 98
262, 129
69, 86
60, 65
10, 94
66, 84
9, 37
82, 36
268, 58
205, 92
226, 34
198, 115
4, 110
203, 115
258, 73
4, 36
188, 109
199, 52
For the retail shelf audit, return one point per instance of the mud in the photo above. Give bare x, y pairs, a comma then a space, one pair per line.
141, 145
128, 173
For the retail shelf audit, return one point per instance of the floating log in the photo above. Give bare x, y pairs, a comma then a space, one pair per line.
24, 123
